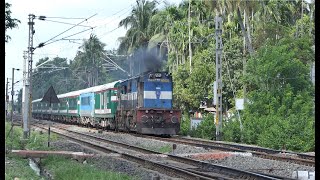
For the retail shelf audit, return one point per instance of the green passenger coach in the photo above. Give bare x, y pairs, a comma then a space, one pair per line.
105, 104
68, 110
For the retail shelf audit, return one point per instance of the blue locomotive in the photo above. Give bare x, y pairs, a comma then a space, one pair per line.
141, 104
145, 105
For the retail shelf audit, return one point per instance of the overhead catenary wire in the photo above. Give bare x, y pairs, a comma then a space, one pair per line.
85, 19
66, 23
44, 43
61, 17
100, 26
124, 10
64, 38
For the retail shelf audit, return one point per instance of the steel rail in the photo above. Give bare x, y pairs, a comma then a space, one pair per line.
205, 168
226, 147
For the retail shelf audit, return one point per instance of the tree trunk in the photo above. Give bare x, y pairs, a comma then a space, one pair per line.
244, 38
244, 32
177, 59
168, 46
311, 19
252, 23
248, 27
190, 50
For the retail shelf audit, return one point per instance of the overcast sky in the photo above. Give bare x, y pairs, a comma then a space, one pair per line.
109, 13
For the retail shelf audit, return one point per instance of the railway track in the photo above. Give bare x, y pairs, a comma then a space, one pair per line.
170, 164
286, 156
253, 148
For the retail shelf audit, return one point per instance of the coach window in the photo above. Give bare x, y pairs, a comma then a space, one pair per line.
106, 94
124, 89
129, 87
85, 101
101, 101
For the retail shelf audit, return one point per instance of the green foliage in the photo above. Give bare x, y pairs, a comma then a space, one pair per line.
185, 124
276, 74
88, 62
63, 168
36, 141
45, 77
165, 149
190, 89
278, 65
292, 125
137, 22
77, 74
280, 112
10, 22
206, 129
231, 130
19, 168
39, 141
15, 142
19, 101
232, 68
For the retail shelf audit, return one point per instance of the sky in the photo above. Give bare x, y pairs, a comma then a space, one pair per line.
107, 15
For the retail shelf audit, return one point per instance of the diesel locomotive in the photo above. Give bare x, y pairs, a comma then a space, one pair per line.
141, 104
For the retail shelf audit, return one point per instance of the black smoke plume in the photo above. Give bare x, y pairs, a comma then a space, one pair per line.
144, 60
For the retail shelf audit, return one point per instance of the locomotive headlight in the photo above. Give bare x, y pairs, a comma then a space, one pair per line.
144, 119
158, 75
174, 119
147, 111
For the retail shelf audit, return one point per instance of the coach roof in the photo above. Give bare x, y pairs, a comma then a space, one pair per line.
87, 90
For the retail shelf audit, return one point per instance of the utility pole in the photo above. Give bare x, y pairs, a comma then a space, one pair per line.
218, 122
25, 97
7, 98
189, 24
28, 86
12, 103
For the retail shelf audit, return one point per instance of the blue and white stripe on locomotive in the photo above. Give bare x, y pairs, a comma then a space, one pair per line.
157, 95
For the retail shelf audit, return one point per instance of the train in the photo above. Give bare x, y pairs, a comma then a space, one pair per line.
141, 104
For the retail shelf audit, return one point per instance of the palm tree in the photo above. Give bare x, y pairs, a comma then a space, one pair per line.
137, 22
89, 57
160, 26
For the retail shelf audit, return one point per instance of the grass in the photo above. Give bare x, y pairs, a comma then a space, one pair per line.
36, 141
19, 168
77, 170
165, 149
60, 167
